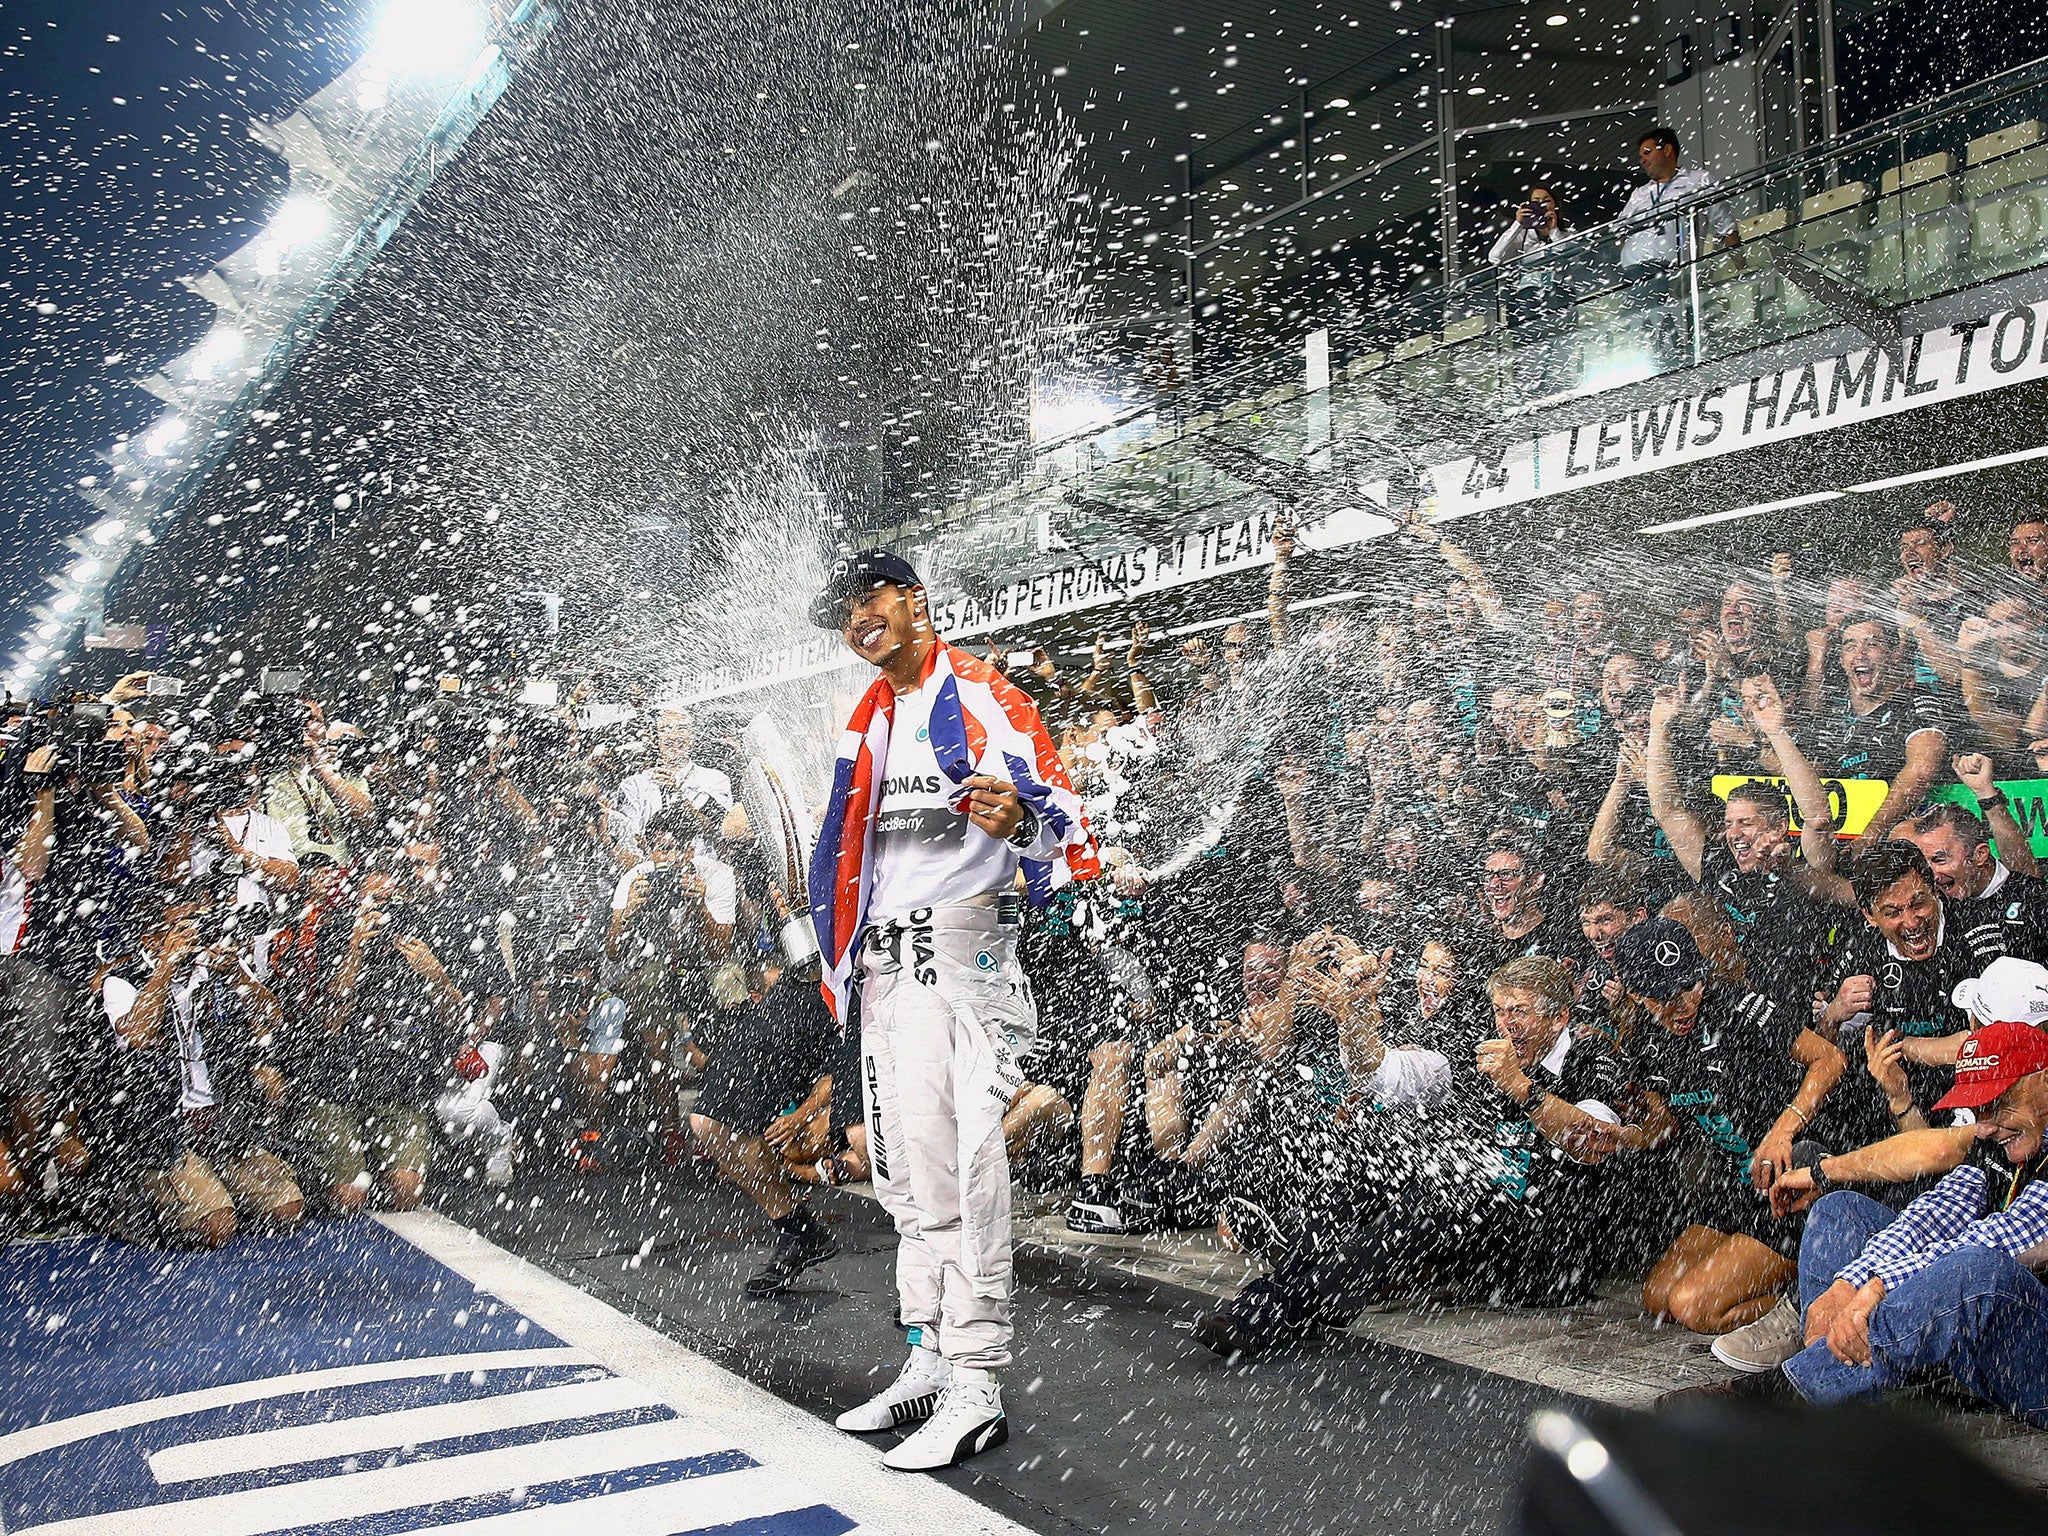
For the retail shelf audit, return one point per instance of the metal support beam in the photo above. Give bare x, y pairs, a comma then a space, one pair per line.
1447, 149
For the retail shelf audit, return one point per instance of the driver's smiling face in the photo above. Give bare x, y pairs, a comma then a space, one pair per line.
883, 620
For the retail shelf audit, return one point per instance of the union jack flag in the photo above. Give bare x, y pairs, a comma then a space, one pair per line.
981, 723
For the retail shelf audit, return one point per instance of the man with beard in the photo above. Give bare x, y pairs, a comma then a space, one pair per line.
1779, 899
947, 786
2026, 548
2000, 911
1734, 1071
1891, 986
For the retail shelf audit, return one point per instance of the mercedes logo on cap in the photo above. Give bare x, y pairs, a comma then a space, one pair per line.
1665, 954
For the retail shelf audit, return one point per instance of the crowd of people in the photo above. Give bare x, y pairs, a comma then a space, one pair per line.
1487, 944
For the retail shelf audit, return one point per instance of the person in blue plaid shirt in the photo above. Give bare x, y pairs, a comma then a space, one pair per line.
1952, 1283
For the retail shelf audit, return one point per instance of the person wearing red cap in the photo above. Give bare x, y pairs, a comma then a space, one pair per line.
1951, 1283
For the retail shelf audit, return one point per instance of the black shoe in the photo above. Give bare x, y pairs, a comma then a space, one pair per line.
1250, 1323
794, 1253
1253, 1228
1761, 1387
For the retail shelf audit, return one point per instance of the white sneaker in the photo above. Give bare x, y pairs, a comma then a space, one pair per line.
967, 1421
1766, 1343
908, 1399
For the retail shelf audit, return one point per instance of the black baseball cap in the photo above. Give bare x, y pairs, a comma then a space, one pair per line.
853, 574
1658, 959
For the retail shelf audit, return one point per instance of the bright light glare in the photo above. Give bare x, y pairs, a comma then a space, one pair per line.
165, 434
1556, 19
1054, 416
84, 570
429, 38
299, 221
109, 531
219, 350
65, 602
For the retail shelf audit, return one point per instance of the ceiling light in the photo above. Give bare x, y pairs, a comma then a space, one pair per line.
1556, 19
165, 434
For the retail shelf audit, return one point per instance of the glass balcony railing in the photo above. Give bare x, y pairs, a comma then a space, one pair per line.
1947, 198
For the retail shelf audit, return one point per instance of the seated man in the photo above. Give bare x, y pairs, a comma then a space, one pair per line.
1950, 1283
178, 1092
1497, 1198
1729, 1067
768, 1075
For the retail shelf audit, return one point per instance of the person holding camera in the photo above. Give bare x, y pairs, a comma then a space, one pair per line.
317, 792
388, 1040
181, 1091
1537, 300
668, 953
674, 780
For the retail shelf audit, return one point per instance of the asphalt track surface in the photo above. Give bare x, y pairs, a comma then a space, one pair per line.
1118, 1419
579, 1358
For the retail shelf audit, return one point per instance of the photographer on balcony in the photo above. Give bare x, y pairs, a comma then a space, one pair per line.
1536, 298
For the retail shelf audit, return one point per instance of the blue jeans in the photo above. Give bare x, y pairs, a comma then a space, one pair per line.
1975, 1313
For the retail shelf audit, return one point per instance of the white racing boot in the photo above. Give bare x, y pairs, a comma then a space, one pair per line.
967, 1421
909, 1399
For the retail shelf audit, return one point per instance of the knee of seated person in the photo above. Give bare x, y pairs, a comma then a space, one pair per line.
404, 1188
1974, 1270
1693, 1305
287, 1213
348, 1197
708, 1130
212, 1229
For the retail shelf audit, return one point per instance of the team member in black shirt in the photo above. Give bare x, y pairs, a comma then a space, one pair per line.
1504, 1203
1894, 977
1778, 899
1891, 726
1732, 1069
1513, 922
1999, 911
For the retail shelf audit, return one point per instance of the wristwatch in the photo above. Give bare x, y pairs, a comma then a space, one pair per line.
1026, 832
1807, 1155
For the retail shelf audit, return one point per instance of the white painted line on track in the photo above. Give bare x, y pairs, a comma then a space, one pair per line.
843, 1470
380, 1490
270, 1448
47, 1437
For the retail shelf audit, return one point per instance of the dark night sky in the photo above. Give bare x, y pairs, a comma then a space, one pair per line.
128, 164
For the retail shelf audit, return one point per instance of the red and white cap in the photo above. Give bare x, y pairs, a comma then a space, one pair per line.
1992, 1060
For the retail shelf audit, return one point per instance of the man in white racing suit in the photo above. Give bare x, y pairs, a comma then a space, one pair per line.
947, 785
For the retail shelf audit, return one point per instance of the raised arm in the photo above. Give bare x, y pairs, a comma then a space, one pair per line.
1766, 711
1628, 772
2015, 848
1926, 760
1686, 833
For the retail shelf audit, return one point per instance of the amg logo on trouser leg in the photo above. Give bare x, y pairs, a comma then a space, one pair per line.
878, 1146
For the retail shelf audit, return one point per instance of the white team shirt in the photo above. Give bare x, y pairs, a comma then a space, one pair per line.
926, 853
641, 795
1658, 244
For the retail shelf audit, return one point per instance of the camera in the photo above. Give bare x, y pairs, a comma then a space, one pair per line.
81, 738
